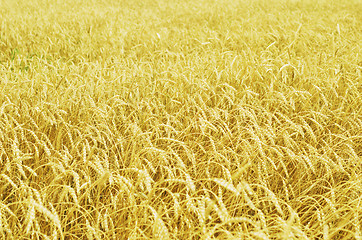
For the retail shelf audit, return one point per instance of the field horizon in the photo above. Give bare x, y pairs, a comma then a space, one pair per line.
210, 119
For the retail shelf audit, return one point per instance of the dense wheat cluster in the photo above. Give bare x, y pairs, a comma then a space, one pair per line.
209, 119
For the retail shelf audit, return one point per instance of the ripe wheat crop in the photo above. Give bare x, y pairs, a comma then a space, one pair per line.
210, 119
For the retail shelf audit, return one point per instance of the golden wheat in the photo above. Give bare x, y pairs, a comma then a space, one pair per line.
180, 119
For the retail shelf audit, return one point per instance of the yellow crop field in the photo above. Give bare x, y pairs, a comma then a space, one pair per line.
180, 119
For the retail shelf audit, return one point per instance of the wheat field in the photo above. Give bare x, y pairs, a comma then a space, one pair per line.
209, 119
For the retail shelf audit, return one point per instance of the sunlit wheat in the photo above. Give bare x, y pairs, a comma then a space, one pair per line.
184, 119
